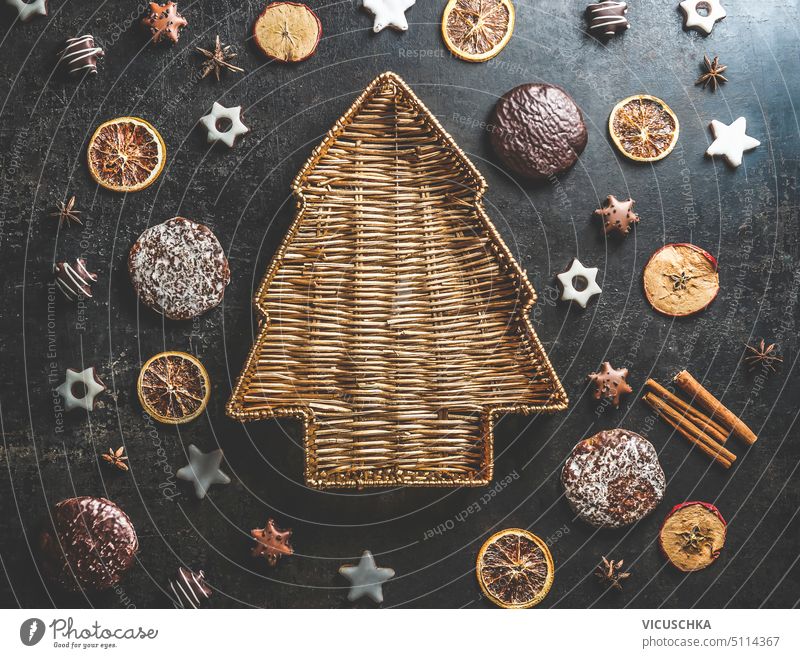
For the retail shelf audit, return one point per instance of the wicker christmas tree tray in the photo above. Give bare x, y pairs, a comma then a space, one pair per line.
394, 318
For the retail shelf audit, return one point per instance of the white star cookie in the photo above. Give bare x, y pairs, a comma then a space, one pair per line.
716, 12
388, 13
27, 10
80, 389
731, 141
366, 579
212, 123
586, 275
203, 470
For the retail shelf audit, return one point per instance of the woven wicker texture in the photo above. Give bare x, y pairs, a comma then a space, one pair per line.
395, 320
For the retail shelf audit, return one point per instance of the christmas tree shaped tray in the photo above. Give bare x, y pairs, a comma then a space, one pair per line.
394, 319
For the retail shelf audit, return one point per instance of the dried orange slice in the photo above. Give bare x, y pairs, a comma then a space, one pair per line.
515, 569
643, 128
173, 387
681, 279
126, 154
476, 30
287, 31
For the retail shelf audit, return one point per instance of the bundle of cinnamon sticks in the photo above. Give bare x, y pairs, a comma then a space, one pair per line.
708, 431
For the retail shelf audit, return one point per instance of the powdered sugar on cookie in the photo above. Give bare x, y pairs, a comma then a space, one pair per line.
613, 478
178, 268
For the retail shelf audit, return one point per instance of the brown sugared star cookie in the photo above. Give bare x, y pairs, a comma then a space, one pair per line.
164, 22
617, 215
271, 542
610, 382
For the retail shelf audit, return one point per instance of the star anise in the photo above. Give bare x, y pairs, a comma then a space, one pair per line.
713, 74
693, 540
66, 213
610, 573
763, 355
116, 458
218, 60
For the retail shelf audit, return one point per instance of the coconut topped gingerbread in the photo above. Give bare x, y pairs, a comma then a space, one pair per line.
613, 478
178, 268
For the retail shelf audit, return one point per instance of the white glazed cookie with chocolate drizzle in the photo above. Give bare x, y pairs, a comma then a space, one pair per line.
607, 18
179, 269
613, 478
80, 55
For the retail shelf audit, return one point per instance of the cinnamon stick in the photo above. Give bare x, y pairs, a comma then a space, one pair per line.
690, 431
705, 423
689, 426
725, 416
715, 456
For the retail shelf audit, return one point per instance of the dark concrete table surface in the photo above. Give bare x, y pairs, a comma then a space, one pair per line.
748, 217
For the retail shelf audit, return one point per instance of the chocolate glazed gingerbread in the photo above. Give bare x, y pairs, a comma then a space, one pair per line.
538, 130
92, 544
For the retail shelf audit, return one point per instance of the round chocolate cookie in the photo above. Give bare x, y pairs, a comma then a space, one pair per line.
613, 478
91, 544
178, 268
538, 130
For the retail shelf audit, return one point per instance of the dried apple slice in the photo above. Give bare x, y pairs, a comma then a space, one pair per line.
681, 279
692, 535
287, 31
